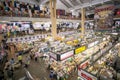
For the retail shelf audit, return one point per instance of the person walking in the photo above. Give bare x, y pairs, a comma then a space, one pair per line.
10, 73
31, 55
20, 59
51, 75
36, 56
12, 61
27, 61
1, 75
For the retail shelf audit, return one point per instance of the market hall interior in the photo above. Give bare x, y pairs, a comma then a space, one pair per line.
59, 40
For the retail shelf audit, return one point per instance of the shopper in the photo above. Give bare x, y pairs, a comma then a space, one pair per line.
6, 64
10, 73
1, 75
15, 33
27, 61
5, 71
49, 67
51, 75
36, 56
31, 55
8, 33
20, 59
12, 61
55, 76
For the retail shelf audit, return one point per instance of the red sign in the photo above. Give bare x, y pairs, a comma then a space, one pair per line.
84, 65
86, 76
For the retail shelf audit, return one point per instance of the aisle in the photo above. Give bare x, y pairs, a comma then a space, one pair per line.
38, 70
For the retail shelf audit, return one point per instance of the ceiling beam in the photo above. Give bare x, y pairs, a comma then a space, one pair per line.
44, 1
94, 2
80, 1
28, 1
66, 3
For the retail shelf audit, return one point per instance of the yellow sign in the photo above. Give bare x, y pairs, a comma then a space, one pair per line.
79, 50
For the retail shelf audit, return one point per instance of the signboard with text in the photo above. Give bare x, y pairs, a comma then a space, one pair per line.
84, 65
80, 49
93, 44
66, 55
85, 75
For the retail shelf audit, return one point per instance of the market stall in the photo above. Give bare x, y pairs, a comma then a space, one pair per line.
101, 66
83, 53
62, 63
64, 58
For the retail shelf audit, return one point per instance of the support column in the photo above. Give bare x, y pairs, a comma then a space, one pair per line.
82, 21
53, 18
12, 2
12, 51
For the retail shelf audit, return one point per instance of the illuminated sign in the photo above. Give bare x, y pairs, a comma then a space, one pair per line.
79, 50
66, 55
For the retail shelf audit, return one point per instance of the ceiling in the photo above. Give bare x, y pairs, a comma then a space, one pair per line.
77, 4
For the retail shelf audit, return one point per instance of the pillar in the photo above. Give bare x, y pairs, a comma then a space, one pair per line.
12, 51
12, 2
82, 21
53, 18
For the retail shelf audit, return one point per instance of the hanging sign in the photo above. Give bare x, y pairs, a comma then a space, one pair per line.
80, 49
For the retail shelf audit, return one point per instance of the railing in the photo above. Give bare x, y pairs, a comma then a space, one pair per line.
38, 15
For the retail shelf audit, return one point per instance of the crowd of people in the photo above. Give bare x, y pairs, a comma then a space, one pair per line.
8, 65
16, 63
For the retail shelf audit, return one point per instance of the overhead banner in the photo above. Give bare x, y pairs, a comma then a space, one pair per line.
80, 49
26, 38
